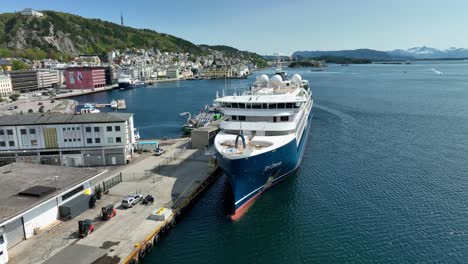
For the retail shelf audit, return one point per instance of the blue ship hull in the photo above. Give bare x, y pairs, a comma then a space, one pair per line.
250, 177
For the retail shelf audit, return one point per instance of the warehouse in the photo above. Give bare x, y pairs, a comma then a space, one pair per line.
31, 196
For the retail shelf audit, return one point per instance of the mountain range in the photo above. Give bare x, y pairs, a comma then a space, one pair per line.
63, 35
398, 54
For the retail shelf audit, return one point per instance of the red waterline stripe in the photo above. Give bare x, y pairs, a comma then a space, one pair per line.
244, 208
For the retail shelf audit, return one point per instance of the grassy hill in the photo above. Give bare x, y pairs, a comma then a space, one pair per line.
60, 34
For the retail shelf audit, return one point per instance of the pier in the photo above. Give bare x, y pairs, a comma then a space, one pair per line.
175, 179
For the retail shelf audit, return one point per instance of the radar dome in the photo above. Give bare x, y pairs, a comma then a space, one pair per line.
276, 80
263, 79
296, 78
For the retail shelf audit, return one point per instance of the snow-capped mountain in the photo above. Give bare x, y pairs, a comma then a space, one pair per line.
431, 53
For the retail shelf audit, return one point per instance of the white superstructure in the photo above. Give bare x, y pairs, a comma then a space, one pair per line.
271, 114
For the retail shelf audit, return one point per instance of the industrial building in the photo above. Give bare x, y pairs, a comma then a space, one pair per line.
85, 77
24, 80
32, 197
98, 139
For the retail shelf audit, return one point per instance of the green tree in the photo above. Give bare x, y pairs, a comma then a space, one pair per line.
14, 97
19, 65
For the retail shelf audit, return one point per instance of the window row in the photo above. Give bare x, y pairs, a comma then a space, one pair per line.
72, 140
8, 132
110, 140
32, 131
71, 128
261, 106
108, 129
10, 143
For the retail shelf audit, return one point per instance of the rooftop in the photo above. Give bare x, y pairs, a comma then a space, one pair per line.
62, 118
37, 182
5, 63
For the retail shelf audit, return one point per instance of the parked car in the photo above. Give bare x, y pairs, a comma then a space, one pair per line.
159, 151
40, 103
15, 107
41, 110
131, 200
11, 108
30, 111
149, 199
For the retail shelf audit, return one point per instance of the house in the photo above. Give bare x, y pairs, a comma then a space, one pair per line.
31, 12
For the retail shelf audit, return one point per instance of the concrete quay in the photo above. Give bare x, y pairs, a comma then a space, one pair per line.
78, 92
174, 179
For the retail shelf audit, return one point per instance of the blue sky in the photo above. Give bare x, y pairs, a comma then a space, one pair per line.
283, 26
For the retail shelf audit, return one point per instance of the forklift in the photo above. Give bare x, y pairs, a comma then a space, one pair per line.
108, 212
85, 228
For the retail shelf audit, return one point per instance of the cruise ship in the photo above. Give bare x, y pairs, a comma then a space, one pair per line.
127, 82
263, 137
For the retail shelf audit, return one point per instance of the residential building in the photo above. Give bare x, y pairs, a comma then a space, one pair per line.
31, 12
173, 73
34, 197
24, 81
6, 65
47, 78
218, 72
85, 77
98, 139
5, 85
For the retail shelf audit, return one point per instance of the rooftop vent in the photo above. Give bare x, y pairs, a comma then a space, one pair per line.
37, 191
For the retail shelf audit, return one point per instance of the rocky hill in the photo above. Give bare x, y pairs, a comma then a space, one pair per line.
60, 34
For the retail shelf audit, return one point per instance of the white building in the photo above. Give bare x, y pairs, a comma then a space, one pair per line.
48, 78
31, 12
5, 85
35, 197
99, 139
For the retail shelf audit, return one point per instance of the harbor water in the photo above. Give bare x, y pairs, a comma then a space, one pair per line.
384, 178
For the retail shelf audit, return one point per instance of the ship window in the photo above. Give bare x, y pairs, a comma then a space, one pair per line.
234, 117
241, 105
285, 118
241, 118
264, 106
281, 106
289, 105
228, 105
297, 105
271, 106
256, 106
249, 106
234, 105
274, 119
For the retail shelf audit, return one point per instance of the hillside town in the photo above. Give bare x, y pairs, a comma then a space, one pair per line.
85, 71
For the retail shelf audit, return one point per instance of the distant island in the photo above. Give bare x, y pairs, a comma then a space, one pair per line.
323, 60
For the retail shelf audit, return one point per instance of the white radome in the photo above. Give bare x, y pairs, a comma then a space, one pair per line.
263, 79
296, 78
276, 80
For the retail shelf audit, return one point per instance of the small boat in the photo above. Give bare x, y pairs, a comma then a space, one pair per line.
113, 104
203, 118
89, 109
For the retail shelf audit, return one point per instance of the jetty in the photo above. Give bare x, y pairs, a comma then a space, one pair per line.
175, 180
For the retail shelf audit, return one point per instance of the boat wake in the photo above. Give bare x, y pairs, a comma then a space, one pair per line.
437, 71
343, 116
